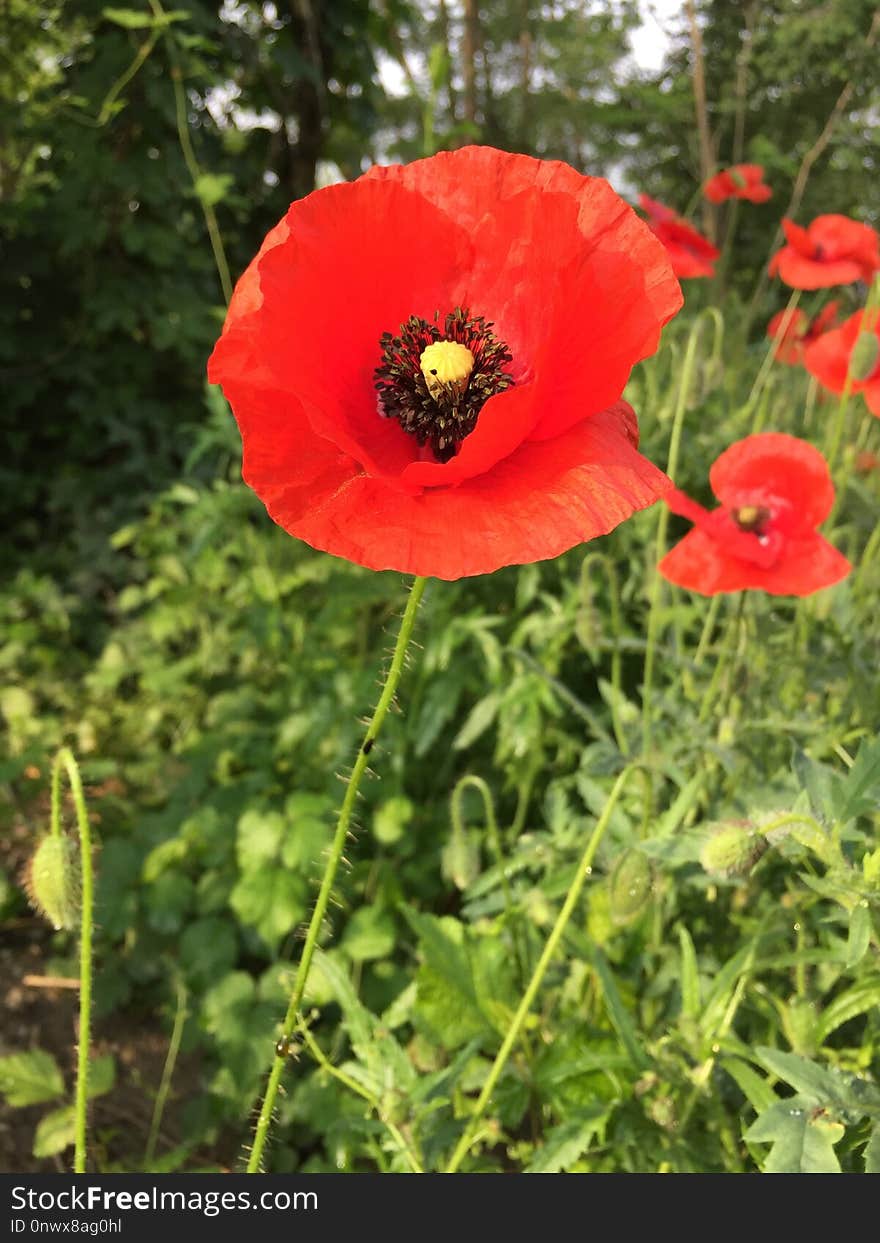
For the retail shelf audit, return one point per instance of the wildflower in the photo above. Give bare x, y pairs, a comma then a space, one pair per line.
774, 491
426, 364
742, 181
833, 250
800, 331
689, 252
850, 351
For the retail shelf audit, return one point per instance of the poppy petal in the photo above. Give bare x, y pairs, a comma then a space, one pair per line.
540, 501
700, 563
779, 465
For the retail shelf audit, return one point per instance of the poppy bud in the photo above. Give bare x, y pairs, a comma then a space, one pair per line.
863, 360
53, 881
630, 886
732, 850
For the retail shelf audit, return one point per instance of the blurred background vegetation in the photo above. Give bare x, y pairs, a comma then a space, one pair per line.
207, 669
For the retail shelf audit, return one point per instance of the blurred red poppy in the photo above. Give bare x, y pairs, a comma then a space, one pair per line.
867, 463
833, 250
851, 350
774, 491
742, 181
426, 364
799, 332
689, 252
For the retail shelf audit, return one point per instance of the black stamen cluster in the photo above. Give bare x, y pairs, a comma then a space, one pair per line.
443, 418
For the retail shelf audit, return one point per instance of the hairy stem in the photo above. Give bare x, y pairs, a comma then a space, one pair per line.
64, 759
333, 860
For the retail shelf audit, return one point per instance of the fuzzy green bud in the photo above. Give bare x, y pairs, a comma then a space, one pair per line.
629, 886
864, 357
53, 881
732, 850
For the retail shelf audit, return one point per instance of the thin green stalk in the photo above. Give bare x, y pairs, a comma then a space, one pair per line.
839, 424
708, 627
65, 759
660, 539
724, 261
616, 655
373, 728
584, 868
731, 640
866, 561
761, 377
478, 784
810, 405
180, 1015
352, 1084
192, 164
866, 323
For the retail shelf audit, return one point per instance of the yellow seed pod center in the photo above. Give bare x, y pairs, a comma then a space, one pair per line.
747, 514
445, 365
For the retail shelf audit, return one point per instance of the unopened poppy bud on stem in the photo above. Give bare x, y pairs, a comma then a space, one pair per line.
865, 356
53, 881
732, 850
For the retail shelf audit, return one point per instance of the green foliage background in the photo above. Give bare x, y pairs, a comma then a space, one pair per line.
210, 672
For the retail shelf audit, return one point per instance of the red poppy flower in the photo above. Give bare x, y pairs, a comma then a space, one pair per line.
426, 363
833, 250
851, 350
800, 331
689, 252
774, 491
867, 463
742, 181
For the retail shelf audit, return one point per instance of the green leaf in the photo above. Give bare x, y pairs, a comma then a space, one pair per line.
30, 1078
862, 998
843, 1092
859, 938
820, 782
480, 718
861, 788
802, 1138
391, 818
132, 19
617, 1012
690, 979
270, 900
566, 1143
755, 1089
384, 1061
102, 1075
872, 1152
369, 934
55, 1132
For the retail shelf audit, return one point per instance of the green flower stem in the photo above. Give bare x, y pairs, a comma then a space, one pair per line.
866, 561
583, 870
616, 629
352, 1084
299, 986
64, 759
180, 1015
660, 540
708, 627
192, 164
868, 320
764, 370
726, 656
478, 784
